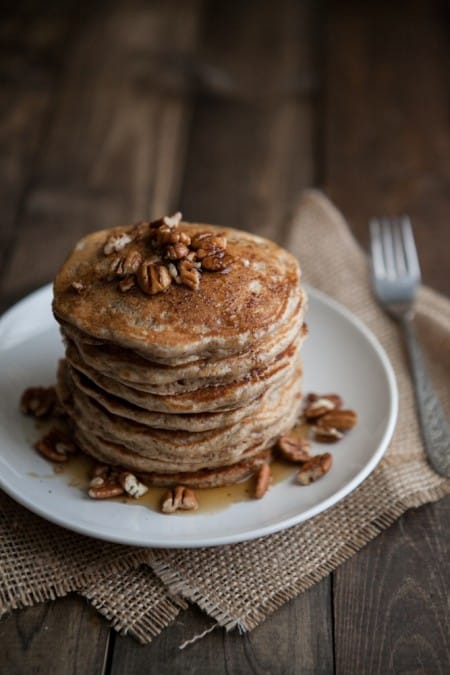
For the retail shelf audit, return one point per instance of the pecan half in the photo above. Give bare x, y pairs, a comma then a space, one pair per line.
294, 448
38, 401
132, 485
56, 446
334, 398
262, 481
189, 274
217, 262
106, 491
179, 498
326, 434
314, 468
153, 278
343, 420
176, 251
319, 407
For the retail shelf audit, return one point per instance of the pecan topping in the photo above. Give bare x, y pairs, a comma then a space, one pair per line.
217, 262
78, 287
177, 251
38, 401
343, 420
153, 278
189, 274
116, 242
294, 448
56, 446
170, 221
326, 434
127, 284
131, 485
334, 398
314, 468
179, 497
262, 481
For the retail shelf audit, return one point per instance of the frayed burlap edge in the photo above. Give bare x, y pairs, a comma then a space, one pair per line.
178, 585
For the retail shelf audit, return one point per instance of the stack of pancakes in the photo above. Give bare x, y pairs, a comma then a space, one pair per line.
188, 385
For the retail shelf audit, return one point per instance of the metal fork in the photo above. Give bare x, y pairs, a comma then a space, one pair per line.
396, 278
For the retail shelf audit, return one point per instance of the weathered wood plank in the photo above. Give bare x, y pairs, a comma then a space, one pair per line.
66, 637
387, 143
386, 151
296, 639
111, 154
390, 600
34, 42
116, 142
250, 153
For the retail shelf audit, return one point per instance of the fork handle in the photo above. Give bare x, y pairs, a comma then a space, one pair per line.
434, 426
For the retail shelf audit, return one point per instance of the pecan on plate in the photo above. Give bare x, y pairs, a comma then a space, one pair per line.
179, 498
38, 401
294, 448
56, 446
326, 434
314, 468
262, 481
319, 407
132, 485
343, 420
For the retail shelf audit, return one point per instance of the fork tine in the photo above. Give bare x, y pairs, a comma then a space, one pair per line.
412, 261
399, 249
376, 248
388, 247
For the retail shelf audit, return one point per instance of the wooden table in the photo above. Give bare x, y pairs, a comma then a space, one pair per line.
226, 110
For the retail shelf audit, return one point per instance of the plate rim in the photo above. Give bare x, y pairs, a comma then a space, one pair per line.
254, 533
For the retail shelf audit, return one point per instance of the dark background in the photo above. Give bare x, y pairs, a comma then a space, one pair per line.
117, 111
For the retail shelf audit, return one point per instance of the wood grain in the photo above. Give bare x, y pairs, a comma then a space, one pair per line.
387, 140
296, 639
116, 145
390, 600
63, 637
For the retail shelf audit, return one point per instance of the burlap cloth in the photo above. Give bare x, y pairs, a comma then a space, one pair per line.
142, 590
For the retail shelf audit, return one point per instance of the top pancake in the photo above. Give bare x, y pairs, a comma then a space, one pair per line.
226, 314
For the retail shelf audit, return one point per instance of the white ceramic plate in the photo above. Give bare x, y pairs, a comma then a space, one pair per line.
340, 355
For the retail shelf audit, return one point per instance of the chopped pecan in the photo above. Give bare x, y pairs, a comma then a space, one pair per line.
153, 277
56, 446
314, 468
132, 485
189, 274
262, 481
343, 420
179, 498
127, 284
38, 401
326, 434
116, 242
334, 398
294, 448
78, 287
170, 221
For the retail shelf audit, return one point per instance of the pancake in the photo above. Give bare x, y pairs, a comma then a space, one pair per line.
254, 299
130, 368
183, 349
